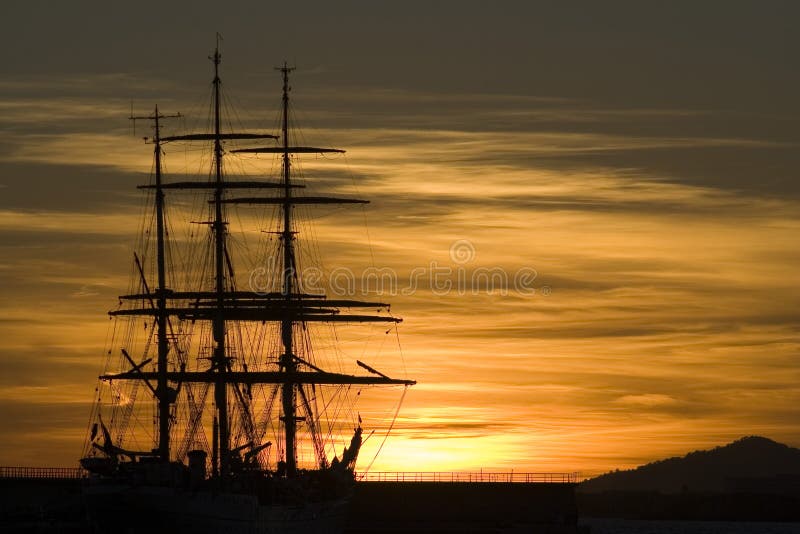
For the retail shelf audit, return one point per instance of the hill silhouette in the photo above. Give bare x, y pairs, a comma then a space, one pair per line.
752, 463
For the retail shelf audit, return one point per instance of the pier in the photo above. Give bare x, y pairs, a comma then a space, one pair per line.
48, 499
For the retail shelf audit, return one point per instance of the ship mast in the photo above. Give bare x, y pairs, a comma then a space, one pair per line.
163, 346
164, 394
219, 360
288, 364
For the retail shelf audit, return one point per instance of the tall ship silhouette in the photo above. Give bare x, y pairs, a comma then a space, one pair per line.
226, 407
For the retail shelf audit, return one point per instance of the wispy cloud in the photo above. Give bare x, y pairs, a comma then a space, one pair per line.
670, 320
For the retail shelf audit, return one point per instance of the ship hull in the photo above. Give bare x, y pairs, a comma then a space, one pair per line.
152, 509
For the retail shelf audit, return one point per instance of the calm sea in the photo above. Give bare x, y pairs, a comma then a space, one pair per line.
630, 526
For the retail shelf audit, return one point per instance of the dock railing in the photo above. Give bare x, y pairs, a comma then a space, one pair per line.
42, 472
372, 476
474, 476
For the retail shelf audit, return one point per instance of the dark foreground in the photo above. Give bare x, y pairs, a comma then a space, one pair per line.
749, 506
55, 506
643, 526
463, 507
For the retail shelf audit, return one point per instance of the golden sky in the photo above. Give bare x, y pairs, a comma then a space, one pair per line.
639, 176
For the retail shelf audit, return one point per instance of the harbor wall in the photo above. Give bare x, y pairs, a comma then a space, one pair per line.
463, 507
55, 505
41, 505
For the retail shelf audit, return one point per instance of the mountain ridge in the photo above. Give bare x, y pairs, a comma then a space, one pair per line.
751, 462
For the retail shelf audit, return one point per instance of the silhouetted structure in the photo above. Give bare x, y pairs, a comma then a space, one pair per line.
252, 350
43, 501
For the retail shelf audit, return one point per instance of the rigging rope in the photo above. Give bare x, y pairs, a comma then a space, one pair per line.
396, 413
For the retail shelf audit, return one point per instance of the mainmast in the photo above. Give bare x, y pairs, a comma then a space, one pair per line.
219, 360
288, 364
